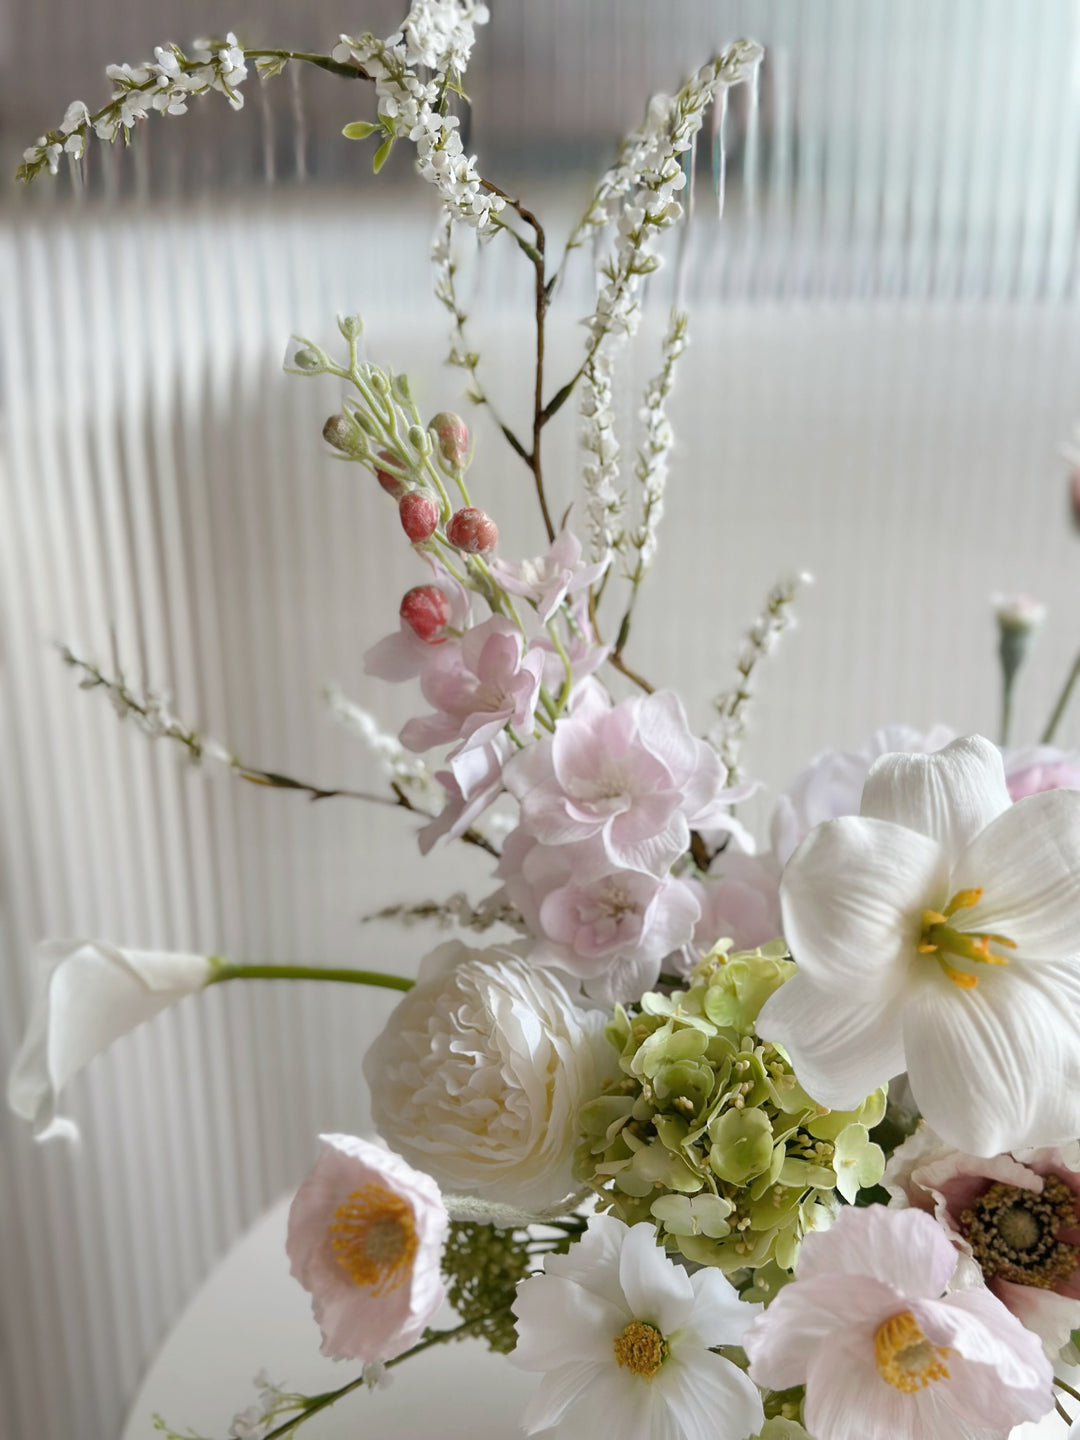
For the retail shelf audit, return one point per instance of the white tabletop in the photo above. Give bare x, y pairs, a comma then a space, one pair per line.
251, 1315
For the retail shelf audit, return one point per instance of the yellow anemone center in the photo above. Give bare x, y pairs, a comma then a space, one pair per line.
905, 1358
641, 1349
941, 938
373, 1236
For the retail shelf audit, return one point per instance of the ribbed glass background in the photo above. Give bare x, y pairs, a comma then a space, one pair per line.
885, 357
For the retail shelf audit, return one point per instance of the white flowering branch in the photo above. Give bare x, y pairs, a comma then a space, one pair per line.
457, 910
730, 730
397, 764
651, 467
152, 714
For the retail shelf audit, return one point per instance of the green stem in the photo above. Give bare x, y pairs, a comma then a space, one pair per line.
1006, 707
227, 970
1062, 702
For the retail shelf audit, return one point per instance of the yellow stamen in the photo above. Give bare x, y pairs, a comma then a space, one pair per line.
373, 1236
904, 1356
641, 1349
940, 938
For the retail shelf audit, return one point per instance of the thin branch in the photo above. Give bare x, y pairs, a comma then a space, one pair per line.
1062, 703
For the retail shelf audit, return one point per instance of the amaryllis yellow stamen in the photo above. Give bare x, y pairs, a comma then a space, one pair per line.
939, 938
373, 1236
905, 1358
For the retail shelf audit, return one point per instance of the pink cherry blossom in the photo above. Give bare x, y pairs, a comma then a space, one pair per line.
550, 578
365, 1238
1015, 1220
472, 783
632, 774
1041, 767
832, 784
885, 1351
609, 929
740, 901
478, 687
403, 655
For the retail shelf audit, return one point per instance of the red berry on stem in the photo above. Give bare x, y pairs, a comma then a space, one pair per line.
425, 609
472, 531
392, 484
419, 516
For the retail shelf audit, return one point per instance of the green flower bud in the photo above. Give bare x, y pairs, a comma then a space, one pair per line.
351, 326
309, 360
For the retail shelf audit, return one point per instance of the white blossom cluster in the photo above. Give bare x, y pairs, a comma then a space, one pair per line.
728, 733
397, 764
165, 83
651, 468
604, 501
437, 36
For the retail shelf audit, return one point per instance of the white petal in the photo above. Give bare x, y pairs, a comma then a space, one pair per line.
613, 1403
852, 898
904, 1249
1027, 864
841, 1047
559, 1321
719, 1317
949, 795
657, 1290
701, 1388
593, 1261
997, 1067
809, 1316
846, 1398
978, 1327
1051, 1316
558, 1390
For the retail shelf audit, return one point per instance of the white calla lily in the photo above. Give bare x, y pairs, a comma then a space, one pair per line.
88, 994
939, 932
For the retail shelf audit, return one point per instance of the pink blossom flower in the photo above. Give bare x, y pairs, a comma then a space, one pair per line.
478, 687
885, 1352
1015, 1219
632, 774
472, 783
607, 928
740, 901
365, 1238
403, 655
832, 784
1041, 767
550, 578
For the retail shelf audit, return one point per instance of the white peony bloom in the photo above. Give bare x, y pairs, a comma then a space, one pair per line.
623, 1338
939, 933
88, 994
480, 1072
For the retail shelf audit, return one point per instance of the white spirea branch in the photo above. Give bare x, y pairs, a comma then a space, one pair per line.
604, 501
442, 260
396, 762
436, 37
651, 467
732, 706
165, 84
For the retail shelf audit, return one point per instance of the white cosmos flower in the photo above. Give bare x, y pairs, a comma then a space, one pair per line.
622, 1336
938, 932
88, 994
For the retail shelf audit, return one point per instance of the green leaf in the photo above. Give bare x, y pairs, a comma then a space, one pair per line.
359, 130
381, 154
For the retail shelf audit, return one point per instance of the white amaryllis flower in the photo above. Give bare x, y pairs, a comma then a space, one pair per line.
939, 933
365, 1238
623, 1338
480, 1072
88, 994
885, 1352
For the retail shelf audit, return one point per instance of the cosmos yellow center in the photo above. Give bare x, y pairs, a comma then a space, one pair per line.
904, 1356
941, 939
373, 1236
641, 1349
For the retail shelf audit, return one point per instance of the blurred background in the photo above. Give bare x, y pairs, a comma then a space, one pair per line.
885, 360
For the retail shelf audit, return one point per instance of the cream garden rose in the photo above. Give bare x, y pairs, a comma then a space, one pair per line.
480, 1072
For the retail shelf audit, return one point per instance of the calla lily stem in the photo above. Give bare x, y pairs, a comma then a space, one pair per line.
226, 970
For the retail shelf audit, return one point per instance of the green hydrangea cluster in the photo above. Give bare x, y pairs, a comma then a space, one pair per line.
482, 1267
708, 1132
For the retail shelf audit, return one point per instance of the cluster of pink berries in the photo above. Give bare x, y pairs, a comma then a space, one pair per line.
425, 608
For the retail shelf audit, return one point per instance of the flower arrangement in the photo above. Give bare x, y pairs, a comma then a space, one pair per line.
721, 1141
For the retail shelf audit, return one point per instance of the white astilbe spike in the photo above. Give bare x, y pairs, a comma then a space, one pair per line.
651, 468
436, 38
730, 730
165, 84
396, 762
604, 502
